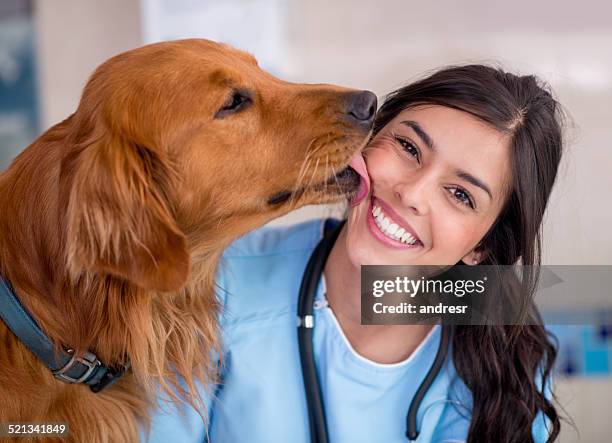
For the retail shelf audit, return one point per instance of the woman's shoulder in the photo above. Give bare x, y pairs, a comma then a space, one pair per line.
272, 240
260, 273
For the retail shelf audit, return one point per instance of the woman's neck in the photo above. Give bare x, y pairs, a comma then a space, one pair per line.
380, 343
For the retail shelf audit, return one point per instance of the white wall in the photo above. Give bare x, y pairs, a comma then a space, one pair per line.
73, 37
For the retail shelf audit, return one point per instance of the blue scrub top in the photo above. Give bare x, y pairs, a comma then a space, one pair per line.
261, 396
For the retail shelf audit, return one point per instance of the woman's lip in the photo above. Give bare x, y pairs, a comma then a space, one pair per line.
396, 218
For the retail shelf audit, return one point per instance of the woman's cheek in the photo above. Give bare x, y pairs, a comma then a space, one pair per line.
454, 236
373, 163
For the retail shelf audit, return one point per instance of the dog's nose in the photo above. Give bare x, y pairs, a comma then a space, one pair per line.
361, 107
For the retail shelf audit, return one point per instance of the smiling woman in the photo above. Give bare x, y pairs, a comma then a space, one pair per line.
461, 166
458, 171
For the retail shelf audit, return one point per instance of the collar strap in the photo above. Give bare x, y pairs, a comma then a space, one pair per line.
66, 366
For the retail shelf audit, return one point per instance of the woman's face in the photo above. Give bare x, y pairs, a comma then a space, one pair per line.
438, 178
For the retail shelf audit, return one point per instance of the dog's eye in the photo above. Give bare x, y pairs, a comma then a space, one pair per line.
236, 101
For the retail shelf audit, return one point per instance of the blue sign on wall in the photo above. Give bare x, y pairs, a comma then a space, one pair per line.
18, 92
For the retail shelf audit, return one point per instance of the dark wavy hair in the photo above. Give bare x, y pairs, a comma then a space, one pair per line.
505, 367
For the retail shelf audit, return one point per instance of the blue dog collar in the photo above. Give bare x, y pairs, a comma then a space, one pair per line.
65, 366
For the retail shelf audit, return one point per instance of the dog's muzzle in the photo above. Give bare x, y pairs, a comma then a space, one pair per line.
345, 181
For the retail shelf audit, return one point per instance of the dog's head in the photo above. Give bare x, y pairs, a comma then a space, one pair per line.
180, 145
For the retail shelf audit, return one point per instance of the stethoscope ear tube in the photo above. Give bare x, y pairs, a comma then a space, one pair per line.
310, 281
411, 419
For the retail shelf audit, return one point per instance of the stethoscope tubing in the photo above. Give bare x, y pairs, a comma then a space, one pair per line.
312, 275
411, 418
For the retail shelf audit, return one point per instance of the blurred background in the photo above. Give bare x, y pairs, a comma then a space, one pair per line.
49, 48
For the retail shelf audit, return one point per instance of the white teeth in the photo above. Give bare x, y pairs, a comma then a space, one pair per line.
391, 229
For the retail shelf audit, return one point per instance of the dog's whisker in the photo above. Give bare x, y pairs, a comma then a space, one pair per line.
304, 167
327, 166
294, 196
300, 180
325, 144
303, 170
322, 144
334, 174
293, 201
314, 172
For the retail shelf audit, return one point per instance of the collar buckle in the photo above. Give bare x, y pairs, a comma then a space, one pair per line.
88, 359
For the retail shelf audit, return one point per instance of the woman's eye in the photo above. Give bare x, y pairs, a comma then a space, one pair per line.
461, 196
237, 101
409, 147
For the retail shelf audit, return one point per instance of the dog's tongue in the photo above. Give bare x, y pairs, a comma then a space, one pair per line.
358, 164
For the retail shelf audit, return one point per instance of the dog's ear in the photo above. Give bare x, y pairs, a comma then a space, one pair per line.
119, 218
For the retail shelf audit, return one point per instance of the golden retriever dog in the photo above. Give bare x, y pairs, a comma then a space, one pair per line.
113, 222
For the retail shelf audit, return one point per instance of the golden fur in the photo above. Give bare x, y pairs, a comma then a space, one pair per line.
113, 221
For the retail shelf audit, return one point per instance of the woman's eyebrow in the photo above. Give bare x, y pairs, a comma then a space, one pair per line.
473, 180
420, 132
430, 144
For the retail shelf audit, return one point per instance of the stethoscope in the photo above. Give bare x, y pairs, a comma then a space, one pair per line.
316, 408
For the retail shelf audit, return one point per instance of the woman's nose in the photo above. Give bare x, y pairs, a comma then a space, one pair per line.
414, 195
